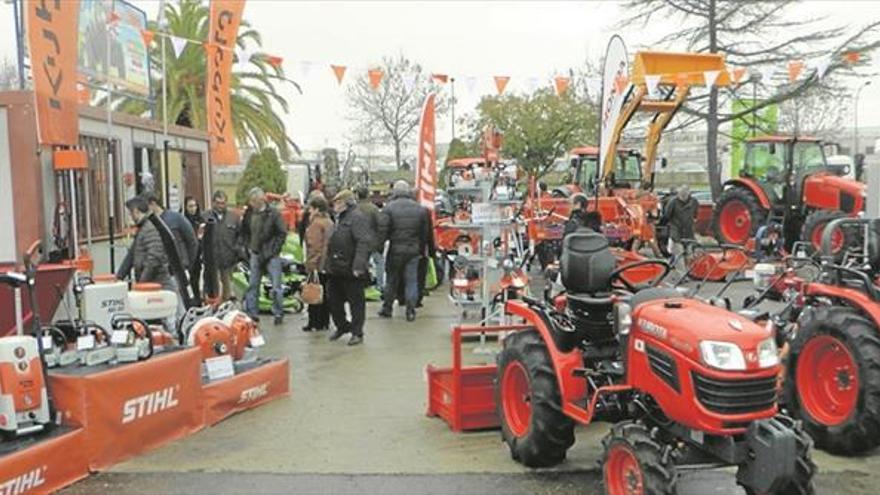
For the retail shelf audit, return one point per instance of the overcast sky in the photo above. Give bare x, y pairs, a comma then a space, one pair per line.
460, 38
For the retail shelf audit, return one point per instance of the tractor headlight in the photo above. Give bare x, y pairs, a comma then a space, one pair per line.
722, 355
768, 354
623, 315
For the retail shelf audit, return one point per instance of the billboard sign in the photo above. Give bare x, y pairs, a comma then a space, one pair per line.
129, 56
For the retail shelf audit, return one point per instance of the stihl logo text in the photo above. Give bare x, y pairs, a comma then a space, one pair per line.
146, 405
24, 482
254, 393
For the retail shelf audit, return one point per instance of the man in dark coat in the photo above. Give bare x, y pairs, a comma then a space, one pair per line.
680, 214
406, 227
578, 211
371, 211
227, 252
263, 233
347, 266
148, 258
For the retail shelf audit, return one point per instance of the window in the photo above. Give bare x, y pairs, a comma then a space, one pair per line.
99, 188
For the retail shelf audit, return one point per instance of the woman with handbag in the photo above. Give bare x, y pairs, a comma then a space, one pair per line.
318, 233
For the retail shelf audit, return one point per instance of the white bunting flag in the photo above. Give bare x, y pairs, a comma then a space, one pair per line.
178, 44
470, 83
305, 68
244, 57
533, 84
594, 84
652, 82
710, 76
767, 75
822, 67
409, 82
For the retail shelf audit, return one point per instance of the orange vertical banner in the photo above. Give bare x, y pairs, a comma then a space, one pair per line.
52, 37
225, 18
426, 167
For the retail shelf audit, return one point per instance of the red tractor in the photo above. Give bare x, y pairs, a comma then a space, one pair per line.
685, 382
831, 324
787, 180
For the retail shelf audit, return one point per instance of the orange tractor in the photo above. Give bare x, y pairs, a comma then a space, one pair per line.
787, 180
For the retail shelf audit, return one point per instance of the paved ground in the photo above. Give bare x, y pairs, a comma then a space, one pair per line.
355, 423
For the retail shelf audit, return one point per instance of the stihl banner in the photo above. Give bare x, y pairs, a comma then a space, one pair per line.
225, 19
426, 170
52, 38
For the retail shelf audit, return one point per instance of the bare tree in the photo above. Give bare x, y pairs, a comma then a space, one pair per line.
8, 75
392, 111
753, 34
819, 112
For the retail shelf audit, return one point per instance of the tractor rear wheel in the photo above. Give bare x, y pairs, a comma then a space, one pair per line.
814, 226
529, 404
805, 470
737, 216
833, 380
634, 463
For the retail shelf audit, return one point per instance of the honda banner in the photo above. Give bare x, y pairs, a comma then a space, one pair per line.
52, 38
615, 73
426, 169
225, 19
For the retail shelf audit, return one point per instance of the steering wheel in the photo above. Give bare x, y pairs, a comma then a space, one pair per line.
617, 275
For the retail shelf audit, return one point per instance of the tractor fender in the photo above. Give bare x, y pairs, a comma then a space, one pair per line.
851, 297
827, 191
755, 188
571, 387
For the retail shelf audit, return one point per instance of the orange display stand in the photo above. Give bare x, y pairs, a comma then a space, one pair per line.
44, 465
130, 409
246, 390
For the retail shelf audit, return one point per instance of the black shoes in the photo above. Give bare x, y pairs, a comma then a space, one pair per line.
384, 314
410, 314
279, 320
356, 340
308, 328
337, 335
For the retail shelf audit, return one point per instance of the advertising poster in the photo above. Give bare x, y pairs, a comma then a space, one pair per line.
129, 66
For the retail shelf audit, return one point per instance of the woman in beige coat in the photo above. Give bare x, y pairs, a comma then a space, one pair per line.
317, 236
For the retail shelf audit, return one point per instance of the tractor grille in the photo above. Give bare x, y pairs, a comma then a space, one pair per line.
664, 367
735, 396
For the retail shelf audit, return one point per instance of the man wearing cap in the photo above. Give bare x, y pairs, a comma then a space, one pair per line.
405, 225
347, 266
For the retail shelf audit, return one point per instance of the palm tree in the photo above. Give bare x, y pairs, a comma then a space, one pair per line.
254, 94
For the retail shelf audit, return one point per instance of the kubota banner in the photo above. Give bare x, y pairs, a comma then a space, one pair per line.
244, 391
45, 466
225, 18
130, 409
615, 71
426, 169
52, 37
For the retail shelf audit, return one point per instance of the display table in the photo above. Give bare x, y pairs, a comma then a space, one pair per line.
265, 382
43, 463
132, 408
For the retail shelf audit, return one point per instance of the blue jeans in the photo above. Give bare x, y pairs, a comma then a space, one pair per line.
406, 273
252, 296
379, 268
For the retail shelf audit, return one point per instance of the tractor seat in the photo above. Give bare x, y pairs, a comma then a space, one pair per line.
873, 244
586, 266
652, 294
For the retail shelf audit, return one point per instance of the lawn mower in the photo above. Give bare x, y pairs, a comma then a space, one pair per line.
831, 322
222, 331
685, 382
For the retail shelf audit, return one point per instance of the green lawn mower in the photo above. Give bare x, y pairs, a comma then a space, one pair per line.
292, 279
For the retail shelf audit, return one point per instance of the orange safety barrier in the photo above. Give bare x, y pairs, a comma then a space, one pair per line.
464, 397
246, 390
46, 465
130, 409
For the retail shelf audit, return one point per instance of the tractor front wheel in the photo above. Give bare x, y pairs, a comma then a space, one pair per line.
634, 463
737, 216
529, 404
833, 381
814, 226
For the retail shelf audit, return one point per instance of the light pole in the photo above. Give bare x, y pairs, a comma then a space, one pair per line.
856, 118
452, 87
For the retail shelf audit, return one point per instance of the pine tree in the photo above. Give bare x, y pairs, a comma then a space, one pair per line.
263, 171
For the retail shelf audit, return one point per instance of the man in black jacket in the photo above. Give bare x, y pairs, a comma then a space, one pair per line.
227, 227
405, 225
347, 266
263, 233
680, 213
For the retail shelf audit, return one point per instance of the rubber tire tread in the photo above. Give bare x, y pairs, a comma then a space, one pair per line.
757, 212
659, 475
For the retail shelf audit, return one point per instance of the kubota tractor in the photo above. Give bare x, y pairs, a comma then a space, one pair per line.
787, 180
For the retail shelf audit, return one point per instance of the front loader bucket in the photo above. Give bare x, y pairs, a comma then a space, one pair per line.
679, 68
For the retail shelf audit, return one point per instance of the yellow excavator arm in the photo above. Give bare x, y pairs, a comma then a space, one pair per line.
677, 73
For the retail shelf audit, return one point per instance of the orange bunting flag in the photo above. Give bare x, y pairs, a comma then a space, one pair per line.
562, 84
795, 68
375, 78
738, 74
274, 60
852, 57
501, 83
113, 17
147, 35
440, 78
339, 71
620, 83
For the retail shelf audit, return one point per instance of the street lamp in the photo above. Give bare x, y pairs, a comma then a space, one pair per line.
452, 87
856, 118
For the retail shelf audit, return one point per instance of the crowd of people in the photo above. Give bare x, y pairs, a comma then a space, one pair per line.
343, 237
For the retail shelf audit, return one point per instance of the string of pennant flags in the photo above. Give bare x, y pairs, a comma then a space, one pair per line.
794, 69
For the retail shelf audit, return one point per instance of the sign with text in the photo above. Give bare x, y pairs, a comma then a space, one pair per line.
223, 31
115, 26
